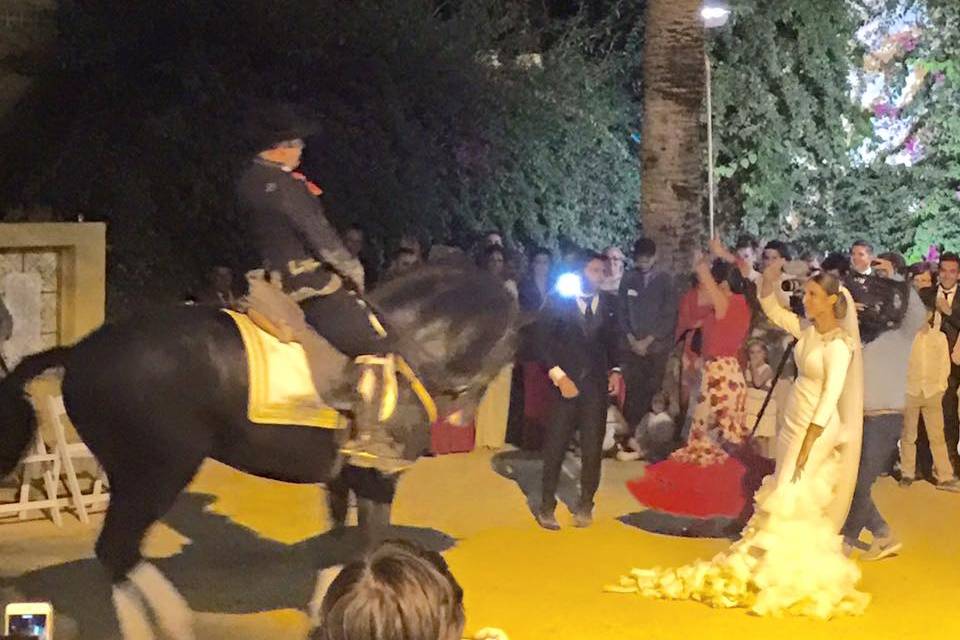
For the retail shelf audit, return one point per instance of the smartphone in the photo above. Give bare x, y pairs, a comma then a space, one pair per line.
29, 620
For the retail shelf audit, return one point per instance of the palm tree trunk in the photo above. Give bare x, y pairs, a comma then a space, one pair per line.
671, 155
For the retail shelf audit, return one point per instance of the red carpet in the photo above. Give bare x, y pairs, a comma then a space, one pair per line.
681, 488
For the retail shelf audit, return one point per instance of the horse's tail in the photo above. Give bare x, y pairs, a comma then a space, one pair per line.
18, 421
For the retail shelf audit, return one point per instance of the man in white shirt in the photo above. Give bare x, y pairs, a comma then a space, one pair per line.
578, 340
945, 303
927, 375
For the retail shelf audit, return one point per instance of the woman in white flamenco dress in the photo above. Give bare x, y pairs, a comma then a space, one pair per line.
790, 558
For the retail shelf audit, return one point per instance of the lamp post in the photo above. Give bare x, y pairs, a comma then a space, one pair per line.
715, 14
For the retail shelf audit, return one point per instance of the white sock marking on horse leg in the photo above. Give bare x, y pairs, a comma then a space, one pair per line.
134, 624
170, 608
325, 578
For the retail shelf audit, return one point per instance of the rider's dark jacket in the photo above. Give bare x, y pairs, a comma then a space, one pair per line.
290, 231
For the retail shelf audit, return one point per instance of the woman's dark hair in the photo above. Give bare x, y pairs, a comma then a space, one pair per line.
397, 592
831, 285
722, 271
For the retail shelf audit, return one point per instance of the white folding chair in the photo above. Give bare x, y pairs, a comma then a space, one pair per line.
68, 452
38, 456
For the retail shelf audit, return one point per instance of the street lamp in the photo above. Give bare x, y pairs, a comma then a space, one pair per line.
715, 14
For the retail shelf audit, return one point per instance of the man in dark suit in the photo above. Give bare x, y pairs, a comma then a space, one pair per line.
578, 340
648, 313
943, 300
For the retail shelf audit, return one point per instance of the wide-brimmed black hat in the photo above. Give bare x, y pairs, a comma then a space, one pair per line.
270, 122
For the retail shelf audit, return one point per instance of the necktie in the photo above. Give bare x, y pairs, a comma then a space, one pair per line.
588, 308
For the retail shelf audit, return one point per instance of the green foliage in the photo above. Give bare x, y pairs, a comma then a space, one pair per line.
799, 158
139, 120
781, 101
919, 98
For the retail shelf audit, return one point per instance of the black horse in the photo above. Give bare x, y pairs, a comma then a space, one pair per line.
157, 394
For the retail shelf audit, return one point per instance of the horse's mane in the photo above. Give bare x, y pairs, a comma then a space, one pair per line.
454, 323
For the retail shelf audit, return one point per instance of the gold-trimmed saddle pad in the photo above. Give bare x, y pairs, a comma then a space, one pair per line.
281, 388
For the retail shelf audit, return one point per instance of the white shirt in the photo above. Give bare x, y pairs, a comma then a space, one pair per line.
556, 373
594, 303
929, 365
950, 293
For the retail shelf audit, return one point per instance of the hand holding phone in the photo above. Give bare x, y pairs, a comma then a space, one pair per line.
29, 620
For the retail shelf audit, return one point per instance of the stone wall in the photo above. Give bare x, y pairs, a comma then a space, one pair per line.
30, 286
52, 279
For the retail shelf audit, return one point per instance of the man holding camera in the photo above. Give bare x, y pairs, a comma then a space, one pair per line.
885, 360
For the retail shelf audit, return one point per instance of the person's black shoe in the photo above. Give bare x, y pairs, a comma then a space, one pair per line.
906, 482
548, 521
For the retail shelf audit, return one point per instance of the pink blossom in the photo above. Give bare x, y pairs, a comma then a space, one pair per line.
885, 110
939, 78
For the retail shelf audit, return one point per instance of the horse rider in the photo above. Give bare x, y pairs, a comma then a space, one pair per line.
295, 239
297, 243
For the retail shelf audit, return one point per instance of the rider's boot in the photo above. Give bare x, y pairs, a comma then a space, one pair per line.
350, 326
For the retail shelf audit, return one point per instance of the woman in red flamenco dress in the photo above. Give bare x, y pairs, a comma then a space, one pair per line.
701, 479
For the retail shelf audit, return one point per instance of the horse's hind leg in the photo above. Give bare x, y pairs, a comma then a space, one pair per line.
135, 504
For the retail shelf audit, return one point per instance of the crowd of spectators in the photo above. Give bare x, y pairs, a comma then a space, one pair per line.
685, 334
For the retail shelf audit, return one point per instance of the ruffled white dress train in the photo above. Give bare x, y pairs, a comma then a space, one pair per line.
790, 559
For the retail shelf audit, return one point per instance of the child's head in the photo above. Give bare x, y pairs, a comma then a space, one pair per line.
660, 402
397, 592
757, 352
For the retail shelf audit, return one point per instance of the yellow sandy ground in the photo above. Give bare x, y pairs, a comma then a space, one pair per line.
537, 584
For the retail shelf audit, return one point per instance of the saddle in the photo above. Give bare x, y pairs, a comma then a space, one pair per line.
281, 386
291, 368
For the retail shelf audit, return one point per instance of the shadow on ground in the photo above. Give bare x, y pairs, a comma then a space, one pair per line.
526, 469
227, 568
672, 525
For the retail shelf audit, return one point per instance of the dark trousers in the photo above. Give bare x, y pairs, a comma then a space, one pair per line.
951, 424
344, 321
643, 376
880, 436
587, 413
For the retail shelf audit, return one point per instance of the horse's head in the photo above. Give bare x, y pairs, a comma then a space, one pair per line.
455, 326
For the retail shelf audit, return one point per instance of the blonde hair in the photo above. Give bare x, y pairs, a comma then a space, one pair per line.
831, 286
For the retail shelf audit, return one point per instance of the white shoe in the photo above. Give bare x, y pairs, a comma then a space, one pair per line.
882, 548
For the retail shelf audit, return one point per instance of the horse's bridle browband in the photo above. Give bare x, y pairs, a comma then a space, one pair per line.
392, 365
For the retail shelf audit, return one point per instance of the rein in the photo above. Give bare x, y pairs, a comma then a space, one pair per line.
393, 364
